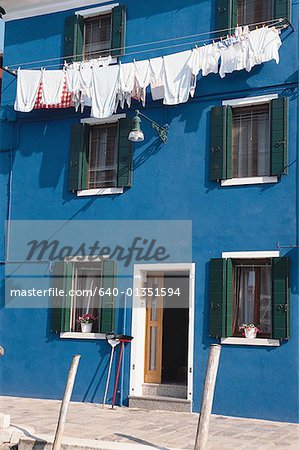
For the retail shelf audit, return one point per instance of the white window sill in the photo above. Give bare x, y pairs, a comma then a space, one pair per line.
78, 335
112, 119
249, 180
101, 191
256, 342
91, 12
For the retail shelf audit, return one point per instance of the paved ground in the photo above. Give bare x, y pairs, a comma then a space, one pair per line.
159, 430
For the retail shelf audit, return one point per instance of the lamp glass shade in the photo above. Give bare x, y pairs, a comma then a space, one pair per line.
136, 136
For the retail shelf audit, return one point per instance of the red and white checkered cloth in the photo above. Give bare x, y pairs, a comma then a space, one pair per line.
66, 99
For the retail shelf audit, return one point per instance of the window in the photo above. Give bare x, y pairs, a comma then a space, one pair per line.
249, 141
251, 301
81, 282
86, 279
249, 291
99, 35
253, 11
101, 156
230, 13
102, 167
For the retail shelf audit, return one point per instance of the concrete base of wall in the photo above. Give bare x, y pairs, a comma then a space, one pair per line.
160, 403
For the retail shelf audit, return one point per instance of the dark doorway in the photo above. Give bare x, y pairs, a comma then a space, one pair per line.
175, 329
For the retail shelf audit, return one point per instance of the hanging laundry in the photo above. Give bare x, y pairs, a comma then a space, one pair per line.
53, 82
264, 44
66, 100
206, 59
178, 77
157, 78
234, 57
126, 84
142, 80
172, 78
105, 82
28, 83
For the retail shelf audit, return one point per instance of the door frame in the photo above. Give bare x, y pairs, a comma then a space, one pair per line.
138, 324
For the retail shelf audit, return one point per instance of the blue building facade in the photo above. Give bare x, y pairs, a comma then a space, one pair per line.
170, 182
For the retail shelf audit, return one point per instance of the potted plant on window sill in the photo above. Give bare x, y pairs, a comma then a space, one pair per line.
86, 321
249, 330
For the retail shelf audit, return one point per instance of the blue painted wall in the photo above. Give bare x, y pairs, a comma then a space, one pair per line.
173, 182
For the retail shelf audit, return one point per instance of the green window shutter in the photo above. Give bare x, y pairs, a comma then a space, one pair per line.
78, 163
279, 136
221, 143
282, 9
125, 154
109, 278
118, 33
61, 307
69, 38
218, 284
73, 38
79, 42
280, 298
226, 16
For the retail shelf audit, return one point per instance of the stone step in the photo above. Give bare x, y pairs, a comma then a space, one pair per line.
160, 403
164, 390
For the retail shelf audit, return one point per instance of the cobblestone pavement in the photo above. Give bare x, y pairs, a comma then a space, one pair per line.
158, 429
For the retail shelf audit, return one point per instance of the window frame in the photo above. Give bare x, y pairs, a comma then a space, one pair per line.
243, 102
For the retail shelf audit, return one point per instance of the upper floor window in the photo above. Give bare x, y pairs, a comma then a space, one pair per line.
97, 36
91, 36
253, 11
102, 167
101, 157
230, 13
249, 142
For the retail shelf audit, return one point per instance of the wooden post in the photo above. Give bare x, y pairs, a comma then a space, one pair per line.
202, 433
65, 402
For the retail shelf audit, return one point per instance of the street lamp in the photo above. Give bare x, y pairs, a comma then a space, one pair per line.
137, 135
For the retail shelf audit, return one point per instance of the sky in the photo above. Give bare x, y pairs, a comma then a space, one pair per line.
1, 34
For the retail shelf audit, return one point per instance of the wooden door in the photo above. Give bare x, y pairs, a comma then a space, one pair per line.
154, 328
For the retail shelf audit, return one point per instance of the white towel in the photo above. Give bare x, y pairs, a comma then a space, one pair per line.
142, 80
126, 84
53, 81
206, 59
264, 44
28, 82
105, 82
157, 78
178, 77
234, 57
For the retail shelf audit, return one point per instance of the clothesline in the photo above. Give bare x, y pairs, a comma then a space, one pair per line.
272, 22
171, 78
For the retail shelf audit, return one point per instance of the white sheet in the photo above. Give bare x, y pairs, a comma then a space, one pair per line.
28, 82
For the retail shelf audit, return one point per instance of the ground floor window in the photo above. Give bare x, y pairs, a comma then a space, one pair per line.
252, 286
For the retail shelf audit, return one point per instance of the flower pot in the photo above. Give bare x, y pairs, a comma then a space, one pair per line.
86, 327
250, 333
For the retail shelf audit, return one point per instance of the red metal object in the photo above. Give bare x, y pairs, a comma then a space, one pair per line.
123, 339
